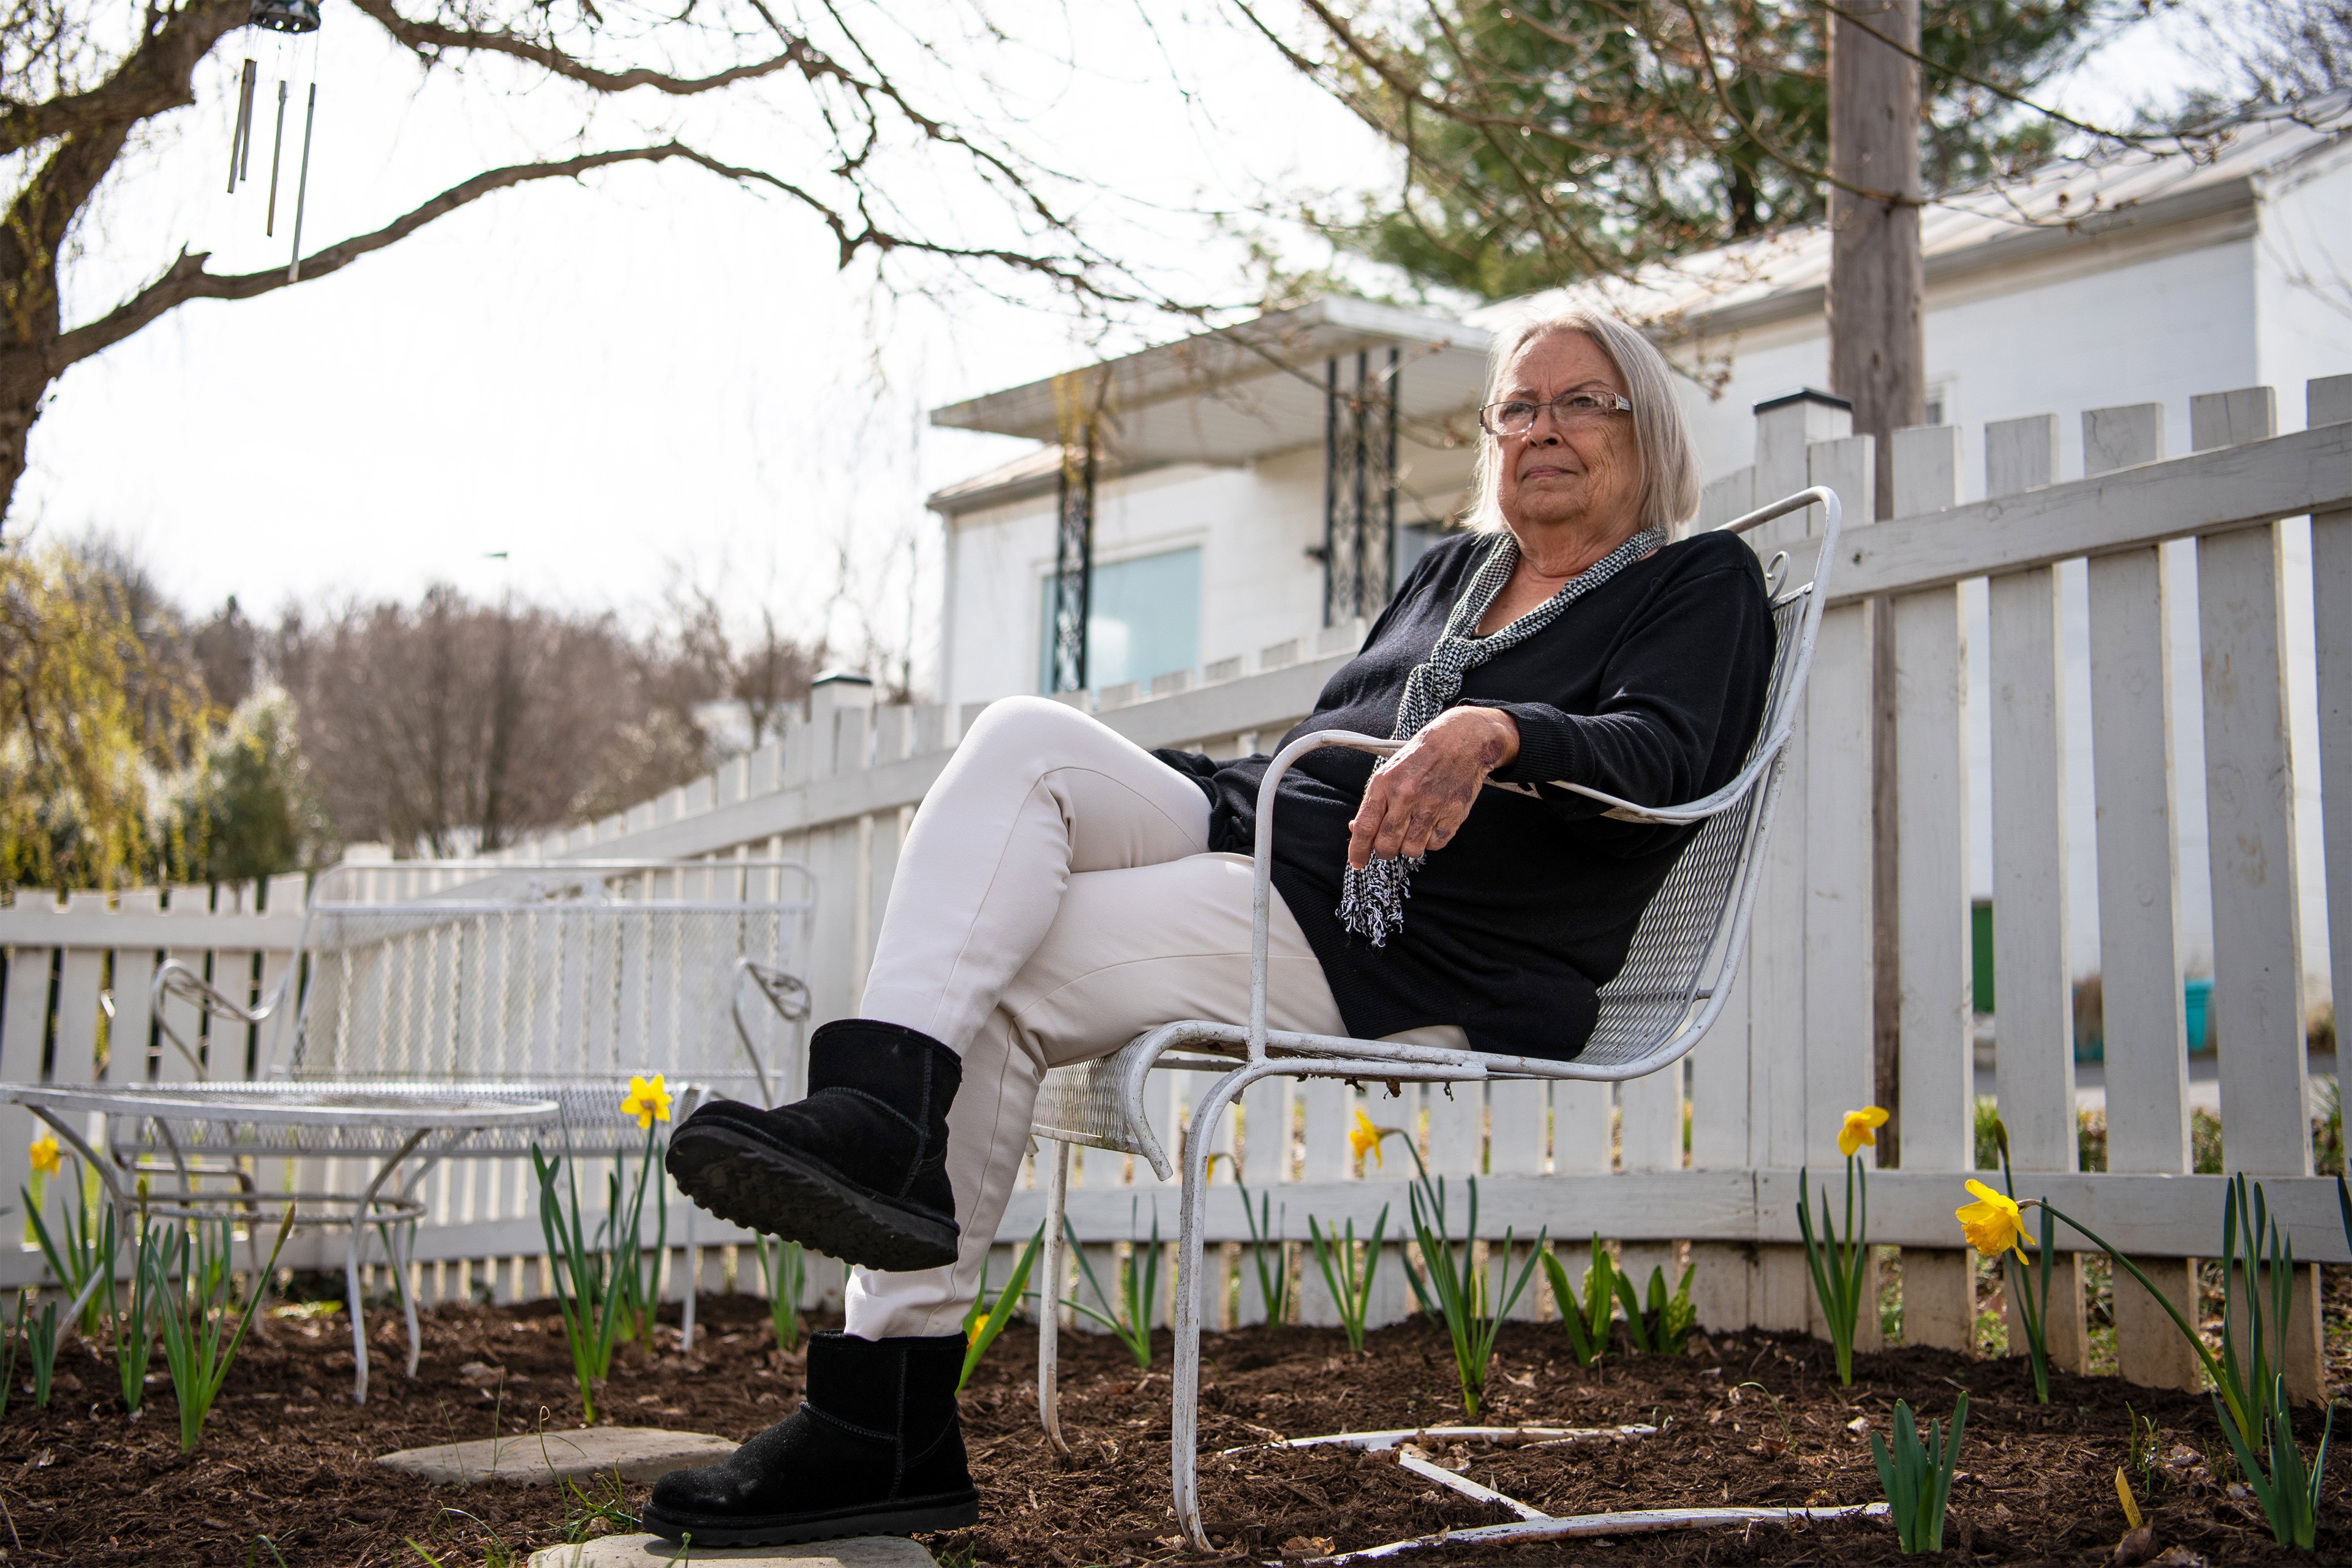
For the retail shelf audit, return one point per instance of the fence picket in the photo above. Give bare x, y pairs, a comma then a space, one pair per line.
2145, 1048
838, 714
1457, 1114
1720, 1093
275, 1035
185, 1018
129, 1031
2257, 1006
81, 975
2032, 963
2132, 763
1837, 914
1781, 1294
2330, 402
1931, 784
24, 1027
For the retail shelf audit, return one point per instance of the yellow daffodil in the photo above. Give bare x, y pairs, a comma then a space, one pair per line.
1365, 1139
45, 1154
648, 1102
1993, 1224
1861, 1127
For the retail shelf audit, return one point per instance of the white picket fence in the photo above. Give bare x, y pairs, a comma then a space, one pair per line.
1765, 1092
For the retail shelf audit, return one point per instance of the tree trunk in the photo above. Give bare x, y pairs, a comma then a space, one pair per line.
23, 385
1877, 358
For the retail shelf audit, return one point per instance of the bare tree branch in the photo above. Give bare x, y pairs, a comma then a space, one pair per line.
430, 38
187, 278
153, 78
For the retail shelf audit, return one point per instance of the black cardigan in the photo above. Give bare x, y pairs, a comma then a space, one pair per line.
1649, 688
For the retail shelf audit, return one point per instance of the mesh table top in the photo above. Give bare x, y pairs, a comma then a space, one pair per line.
298, 1104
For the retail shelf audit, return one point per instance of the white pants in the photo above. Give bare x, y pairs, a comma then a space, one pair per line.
1054, 900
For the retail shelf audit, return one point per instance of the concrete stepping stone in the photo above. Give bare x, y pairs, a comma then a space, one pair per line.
649, 1551
537, 1459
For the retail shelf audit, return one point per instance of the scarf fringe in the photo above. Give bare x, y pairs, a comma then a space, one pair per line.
1371, 901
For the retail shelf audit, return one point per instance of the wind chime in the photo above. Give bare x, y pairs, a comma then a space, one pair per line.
290, 19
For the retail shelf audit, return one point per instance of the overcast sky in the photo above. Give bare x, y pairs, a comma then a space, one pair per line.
646, 372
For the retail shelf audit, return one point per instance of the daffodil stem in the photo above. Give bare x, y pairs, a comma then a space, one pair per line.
2196, 1342
2033, 1305
1836, 1265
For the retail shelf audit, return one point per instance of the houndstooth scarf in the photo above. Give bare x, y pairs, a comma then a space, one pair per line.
1371, 901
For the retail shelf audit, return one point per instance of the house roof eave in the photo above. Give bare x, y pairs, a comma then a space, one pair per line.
1240, 393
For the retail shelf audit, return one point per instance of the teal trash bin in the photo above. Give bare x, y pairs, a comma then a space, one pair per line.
2197, 997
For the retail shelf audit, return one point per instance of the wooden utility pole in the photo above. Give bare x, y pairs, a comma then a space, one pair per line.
1877, 358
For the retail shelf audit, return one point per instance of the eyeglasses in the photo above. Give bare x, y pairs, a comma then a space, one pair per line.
1516, 418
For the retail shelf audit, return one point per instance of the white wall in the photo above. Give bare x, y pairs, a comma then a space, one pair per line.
2024, 341
2302, 292
2303, 278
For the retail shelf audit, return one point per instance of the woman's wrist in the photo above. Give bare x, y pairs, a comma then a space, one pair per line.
1498, 737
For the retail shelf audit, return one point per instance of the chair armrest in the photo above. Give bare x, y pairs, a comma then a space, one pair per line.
1698, 810
1262, 883
175, 982
787, 994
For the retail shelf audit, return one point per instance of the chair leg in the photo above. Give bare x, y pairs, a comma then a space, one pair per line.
1049, 1300
359, 1313
687, 1101
1184, 1418
398, 1261
693, 1282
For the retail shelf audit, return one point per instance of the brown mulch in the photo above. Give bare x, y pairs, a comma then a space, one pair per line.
286, 1471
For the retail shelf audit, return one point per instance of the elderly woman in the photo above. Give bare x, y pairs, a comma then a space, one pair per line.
1062, 891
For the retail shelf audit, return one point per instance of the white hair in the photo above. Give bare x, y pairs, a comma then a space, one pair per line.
1669, 468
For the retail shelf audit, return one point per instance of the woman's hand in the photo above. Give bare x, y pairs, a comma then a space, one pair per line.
1417, 801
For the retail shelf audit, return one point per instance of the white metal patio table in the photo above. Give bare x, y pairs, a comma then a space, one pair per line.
379, 1127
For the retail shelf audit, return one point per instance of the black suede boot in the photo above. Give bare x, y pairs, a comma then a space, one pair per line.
875, 1449
857, 1170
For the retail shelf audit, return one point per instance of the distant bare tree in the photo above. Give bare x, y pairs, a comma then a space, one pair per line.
225, 649
452, 727
757, 667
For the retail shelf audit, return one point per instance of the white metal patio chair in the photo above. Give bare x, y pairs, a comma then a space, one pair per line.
452, 983
1676, 975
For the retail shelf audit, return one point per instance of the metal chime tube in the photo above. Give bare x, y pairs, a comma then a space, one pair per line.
302, 186
240, 146
277, 156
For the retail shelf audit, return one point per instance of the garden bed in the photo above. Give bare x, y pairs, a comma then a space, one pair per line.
286, 1469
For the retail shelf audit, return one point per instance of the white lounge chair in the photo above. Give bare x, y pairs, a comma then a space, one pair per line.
1676, 975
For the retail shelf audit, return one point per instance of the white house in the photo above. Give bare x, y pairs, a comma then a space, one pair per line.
2140, 280
1229, 466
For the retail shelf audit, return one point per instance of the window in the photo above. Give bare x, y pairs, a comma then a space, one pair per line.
1143, 619
1413, 543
